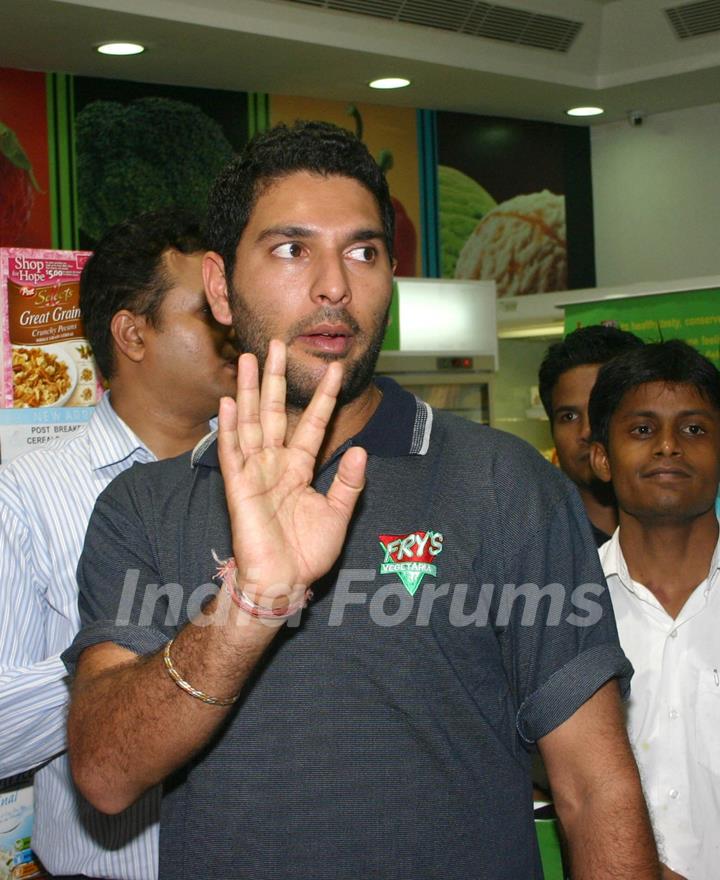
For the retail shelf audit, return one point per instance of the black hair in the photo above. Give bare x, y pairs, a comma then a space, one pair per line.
126, 271
673, 362
597, 344
318, 147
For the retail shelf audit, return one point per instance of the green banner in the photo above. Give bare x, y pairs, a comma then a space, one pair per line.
391, 342
692, 315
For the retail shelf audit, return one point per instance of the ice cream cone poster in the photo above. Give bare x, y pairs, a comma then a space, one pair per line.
515, 203
24, 199
391, 136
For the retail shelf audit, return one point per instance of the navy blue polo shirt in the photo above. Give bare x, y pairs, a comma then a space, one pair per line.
387, 733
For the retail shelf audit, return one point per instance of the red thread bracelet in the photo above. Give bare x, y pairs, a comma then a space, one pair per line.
227, 571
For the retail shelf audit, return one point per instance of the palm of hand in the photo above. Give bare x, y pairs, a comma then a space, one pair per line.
285, 534
289, 534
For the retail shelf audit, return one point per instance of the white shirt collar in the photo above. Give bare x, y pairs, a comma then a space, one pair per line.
613, 563
111, 440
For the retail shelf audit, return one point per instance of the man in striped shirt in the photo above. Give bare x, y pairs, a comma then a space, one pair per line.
167, 363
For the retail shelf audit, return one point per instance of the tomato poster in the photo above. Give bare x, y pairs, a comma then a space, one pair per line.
24, 174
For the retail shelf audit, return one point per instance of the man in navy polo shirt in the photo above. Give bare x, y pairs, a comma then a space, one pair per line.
378, 725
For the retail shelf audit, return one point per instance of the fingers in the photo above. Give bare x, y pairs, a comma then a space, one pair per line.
229, 452
349, 481
310, 431
273, 416
248, 427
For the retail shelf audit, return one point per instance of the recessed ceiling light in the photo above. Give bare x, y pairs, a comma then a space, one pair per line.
389, 82
120, 48
585, 111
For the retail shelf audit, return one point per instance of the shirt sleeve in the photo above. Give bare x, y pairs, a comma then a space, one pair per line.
116, 569
33, 687
554, 616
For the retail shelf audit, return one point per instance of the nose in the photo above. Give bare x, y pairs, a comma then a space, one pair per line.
330, 285
666, 442
584, 429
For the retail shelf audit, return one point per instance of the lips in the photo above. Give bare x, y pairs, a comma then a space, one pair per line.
327, 338
666, 474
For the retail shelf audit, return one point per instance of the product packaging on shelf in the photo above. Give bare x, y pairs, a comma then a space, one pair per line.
17, 861
45, 359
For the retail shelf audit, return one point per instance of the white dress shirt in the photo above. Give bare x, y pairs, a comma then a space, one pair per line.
46, 498
674, 711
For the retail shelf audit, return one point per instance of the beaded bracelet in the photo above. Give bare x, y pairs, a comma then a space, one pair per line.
227, 571
187, 687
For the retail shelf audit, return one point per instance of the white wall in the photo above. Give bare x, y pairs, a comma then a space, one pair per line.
656, 191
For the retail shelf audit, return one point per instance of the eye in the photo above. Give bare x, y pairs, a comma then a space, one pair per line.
566, 417
364, 254
642, 430
694, 430
291, 250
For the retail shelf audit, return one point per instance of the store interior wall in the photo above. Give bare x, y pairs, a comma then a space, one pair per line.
656, 195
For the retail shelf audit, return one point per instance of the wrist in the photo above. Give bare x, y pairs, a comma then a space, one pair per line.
253, 602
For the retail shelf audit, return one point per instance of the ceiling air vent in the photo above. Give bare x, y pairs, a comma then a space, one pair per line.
695, 19
470, 17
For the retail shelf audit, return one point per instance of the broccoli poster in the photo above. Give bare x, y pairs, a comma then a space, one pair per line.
515, 203
141, 147
24, 198
391, 136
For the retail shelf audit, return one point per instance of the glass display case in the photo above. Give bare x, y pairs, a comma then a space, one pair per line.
457, 384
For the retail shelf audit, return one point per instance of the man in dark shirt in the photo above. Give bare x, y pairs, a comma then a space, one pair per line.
567, 375
381, 727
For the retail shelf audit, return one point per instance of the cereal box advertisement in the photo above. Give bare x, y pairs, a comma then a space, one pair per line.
45, 357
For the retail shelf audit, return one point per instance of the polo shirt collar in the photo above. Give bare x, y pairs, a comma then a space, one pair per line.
110, 440
401, 425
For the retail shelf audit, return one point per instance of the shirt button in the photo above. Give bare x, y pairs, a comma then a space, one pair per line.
673, 633
673, 714
674, 793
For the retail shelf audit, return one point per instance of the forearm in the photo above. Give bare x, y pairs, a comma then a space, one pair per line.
609, 835
130, 726
33, 706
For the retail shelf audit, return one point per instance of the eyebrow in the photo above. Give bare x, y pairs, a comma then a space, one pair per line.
653, 414
368, 234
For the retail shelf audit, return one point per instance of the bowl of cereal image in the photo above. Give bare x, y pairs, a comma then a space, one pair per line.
43, 375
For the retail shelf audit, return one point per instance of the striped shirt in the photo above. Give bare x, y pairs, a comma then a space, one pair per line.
46, 498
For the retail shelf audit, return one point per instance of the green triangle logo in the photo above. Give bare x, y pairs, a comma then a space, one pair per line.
411, 556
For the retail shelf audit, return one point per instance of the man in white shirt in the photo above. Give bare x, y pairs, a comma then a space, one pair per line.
655, 416
167, 362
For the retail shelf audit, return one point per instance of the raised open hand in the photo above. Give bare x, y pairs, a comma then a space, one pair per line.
285, 534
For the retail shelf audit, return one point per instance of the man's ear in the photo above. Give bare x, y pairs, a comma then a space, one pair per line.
128, 333
599, 462
216, 289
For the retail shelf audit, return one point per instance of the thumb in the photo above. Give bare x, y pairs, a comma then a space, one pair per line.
349, 482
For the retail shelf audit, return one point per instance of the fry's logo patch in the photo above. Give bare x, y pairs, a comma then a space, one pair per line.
411, 557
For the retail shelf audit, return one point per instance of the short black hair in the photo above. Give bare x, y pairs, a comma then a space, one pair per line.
318, 147
126, 271
673, 362
596, 344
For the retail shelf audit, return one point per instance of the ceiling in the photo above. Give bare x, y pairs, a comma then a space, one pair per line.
625, 57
